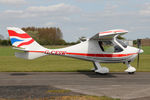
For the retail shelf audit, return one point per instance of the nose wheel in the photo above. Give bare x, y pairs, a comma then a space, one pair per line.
130, 69
131, 73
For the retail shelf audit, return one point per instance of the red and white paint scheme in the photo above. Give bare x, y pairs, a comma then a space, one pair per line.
104, 47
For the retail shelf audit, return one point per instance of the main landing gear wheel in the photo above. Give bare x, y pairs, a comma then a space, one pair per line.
99, 69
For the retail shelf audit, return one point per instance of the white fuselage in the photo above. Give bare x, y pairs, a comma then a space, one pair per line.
90, 50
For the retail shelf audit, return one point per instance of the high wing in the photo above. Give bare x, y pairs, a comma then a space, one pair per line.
108, 35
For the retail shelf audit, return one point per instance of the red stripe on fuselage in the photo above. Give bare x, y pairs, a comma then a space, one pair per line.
38, 51
94, 55
26, 43
13, 33
101, 55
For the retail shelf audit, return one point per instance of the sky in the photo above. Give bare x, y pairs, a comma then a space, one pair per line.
78, 18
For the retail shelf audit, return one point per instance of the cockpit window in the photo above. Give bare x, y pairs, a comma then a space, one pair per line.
122, 43
109, 46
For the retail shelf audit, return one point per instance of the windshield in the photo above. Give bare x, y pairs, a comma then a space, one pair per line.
122, 43
109, 46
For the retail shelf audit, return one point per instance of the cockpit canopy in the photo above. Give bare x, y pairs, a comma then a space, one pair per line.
112, 46
108, 41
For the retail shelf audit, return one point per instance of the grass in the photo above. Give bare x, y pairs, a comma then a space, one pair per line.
70, 98
59, 91
9, 63
146, 50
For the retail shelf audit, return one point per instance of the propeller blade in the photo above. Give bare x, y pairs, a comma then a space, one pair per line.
139, 43
138, 57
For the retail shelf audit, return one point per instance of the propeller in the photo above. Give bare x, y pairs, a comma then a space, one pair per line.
138, 46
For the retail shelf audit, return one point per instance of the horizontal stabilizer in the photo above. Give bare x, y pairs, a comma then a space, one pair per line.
29, 55
21, 49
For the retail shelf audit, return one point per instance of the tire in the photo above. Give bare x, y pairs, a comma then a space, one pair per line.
130, 73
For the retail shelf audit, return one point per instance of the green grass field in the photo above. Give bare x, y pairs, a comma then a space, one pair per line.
9, 63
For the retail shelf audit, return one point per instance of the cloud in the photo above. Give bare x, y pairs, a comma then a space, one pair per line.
83, 28
110, 8
53, 11
50, 24
13, 2
16, 14
13, 12
146, 10
74, 19
85, 1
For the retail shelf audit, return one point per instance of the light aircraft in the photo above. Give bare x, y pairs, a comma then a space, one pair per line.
104, 47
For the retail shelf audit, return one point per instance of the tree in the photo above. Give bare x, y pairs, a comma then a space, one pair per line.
1, 37
5, 42
46, 36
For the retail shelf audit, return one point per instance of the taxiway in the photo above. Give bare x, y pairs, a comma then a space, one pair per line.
116, 85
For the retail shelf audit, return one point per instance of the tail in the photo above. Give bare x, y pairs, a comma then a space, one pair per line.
22, 41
